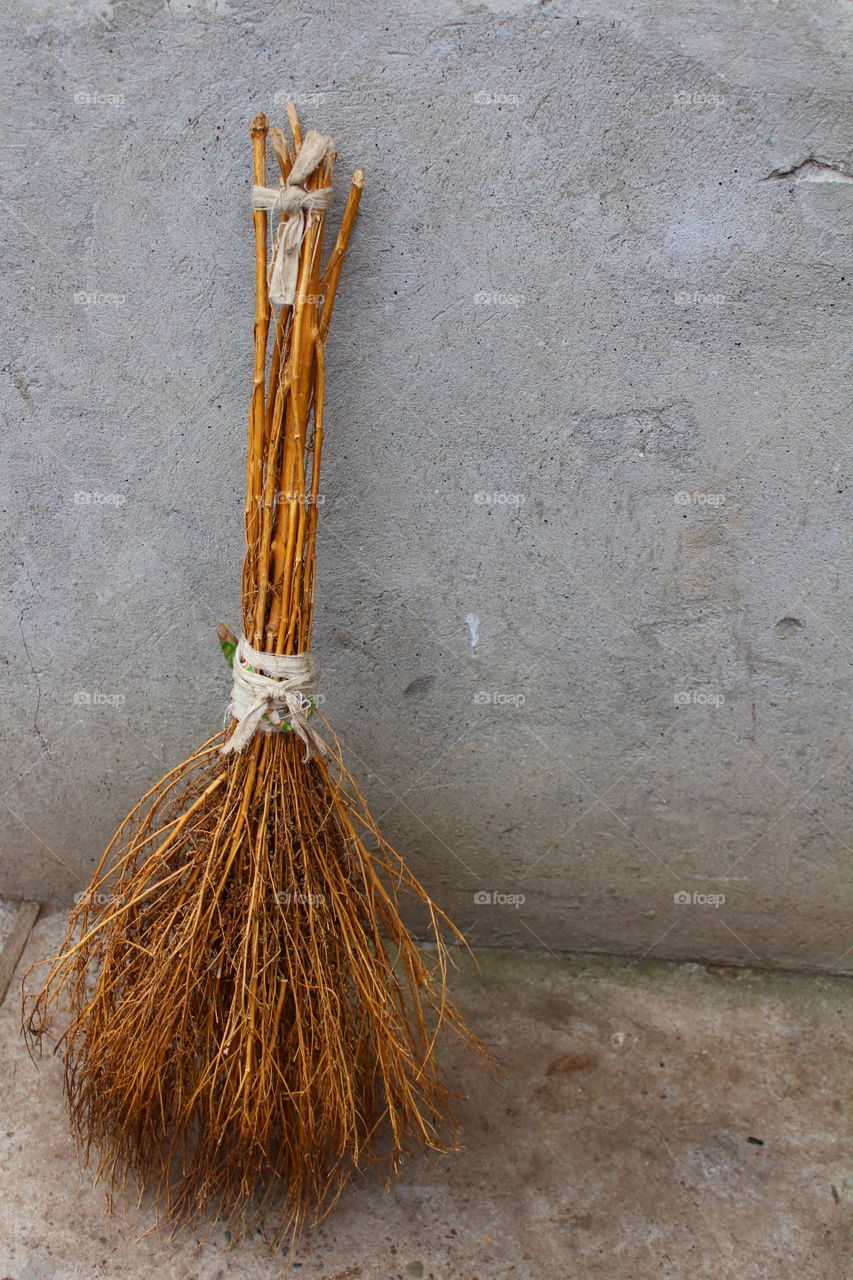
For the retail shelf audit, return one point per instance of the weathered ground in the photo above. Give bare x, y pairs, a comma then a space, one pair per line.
654, 1122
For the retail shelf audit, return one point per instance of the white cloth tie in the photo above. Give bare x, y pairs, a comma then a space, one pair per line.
266, 684
295, 204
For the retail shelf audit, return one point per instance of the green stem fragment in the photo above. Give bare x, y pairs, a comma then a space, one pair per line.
227, 642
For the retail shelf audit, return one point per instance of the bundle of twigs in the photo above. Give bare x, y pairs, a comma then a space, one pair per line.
249, 1018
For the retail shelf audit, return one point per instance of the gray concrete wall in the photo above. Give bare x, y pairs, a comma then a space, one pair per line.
580, 616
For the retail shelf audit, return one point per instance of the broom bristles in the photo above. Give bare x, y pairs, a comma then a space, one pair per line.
261, 1022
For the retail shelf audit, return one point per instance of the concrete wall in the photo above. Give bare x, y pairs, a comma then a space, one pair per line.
580, 620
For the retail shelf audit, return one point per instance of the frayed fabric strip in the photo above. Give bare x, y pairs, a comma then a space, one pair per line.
266, 684
295, 204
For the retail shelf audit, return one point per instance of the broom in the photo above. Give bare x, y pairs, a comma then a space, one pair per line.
250, 1021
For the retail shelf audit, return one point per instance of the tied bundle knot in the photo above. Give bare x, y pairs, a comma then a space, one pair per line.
295, 204
267, 684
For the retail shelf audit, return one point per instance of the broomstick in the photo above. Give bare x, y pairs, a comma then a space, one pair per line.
249, 1019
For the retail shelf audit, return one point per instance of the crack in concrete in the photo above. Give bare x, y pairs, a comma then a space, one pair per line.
35, 673
812, 169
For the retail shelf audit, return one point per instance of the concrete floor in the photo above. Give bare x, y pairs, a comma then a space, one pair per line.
654, 1122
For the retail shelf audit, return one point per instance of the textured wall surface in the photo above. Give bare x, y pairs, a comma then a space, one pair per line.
580, 618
